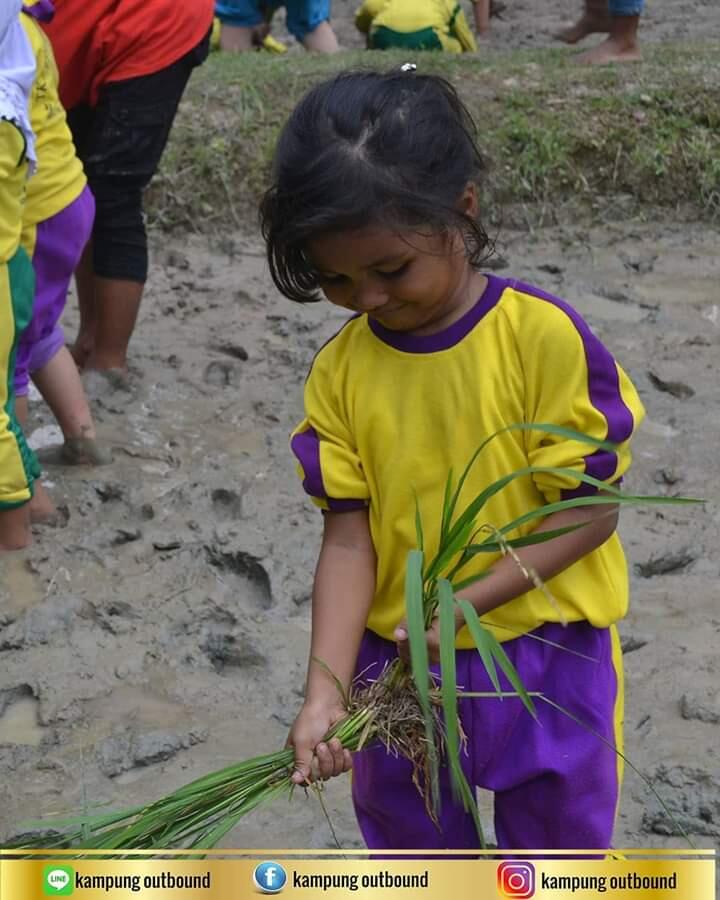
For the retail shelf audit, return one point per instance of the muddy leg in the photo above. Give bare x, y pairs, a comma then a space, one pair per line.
40, 508
59, 383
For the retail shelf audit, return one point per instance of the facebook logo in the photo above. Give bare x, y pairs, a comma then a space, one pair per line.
269, 877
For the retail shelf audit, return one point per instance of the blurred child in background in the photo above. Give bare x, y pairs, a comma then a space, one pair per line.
246, 23
57, 223
18, 466
123, 66
423, 24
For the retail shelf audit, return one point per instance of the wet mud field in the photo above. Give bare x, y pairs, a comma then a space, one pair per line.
161, 630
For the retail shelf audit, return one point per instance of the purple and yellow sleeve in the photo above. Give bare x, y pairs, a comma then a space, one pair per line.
324, 446
574, 381
331, 472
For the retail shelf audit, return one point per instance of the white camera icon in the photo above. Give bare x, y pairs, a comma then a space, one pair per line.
516, 880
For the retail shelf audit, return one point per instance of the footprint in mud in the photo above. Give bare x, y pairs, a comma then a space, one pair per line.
226, 650
226, 504
19, 720
221, 373
247, 570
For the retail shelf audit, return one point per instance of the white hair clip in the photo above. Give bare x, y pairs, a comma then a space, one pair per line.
408, 67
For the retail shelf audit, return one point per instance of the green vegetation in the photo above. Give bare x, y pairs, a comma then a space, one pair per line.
556, 135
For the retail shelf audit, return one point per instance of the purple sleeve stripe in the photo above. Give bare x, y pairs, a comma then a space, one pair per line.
306, 447
340, 506
585, 490
603, 388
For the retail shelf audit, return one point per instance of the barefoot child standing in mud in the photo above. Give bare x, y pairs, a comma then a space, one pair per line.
57, 223
18, 466
375, 203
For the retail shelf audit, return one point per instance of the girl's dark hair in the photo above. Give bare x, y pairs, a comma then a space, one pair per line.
394, 149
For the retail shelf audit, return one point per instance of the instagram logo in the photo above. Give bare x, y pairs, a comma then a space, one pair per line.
516, 879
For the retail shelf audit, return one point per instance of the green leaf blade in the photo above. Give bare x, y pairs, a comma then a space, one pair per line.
419, 659
448, 687
480, 637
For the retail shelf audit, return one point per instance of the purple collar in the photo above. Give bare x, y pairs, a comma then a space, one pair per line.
43, 10
448, 337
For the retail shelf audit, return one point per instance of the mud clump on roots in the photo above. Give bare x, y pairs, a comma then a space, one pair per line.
397, 722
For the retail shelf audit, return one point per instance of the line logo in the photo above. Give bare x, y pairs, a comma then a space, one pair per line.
58, 881
269, 877
516, 880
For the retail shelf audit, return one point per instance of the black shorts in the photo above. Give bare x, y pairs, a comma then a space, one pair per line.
120, 142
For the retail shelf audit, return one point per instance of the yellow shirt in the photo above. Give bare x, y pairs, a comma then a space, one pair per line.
13, 178
388, 415
59, 178
419, 24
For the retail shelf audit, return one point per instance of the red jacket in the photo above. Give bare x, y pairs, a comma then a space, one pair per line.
99, 41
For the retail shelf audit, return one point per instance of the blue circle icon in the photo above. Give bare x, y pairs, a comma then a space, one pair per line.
269, 877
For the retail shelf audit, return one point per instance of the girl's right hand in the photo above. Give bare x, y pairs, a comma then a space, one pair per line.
315, 759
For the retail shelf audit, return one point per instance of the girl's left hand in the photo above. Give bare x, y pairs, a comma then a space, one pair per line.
432, 639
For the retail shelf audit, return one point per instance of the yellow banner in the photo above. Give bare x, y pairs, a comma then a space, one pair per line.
302, 875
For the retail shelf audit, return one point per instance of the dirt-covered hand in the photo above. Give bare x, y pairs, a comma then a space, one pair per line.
314, 758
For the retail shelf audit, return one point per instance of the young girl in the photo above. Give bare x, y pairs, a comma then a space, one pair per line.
375, 203
57, 223
18, 466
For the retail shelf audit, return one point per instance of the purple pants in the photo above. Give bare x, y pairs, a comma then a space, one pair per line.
60, 242
556, 785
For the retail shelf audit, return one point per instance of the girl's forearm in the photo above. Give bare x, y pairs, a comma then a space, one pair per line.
507, 580
342, 595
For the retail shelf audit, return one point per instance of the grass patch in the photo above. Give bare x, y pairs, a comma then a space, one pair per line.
556, 135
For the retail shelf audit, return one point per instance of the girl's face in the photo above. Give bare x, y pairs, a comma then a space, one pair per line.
414, 282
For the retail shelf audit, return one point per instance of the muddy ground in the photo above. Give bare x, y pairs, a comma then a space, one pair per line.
162, 631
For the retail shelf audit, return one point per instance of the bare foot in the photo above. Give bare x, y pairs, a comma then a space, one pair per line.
99, 383
611, 50
42, 509
85, 452
589, 23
